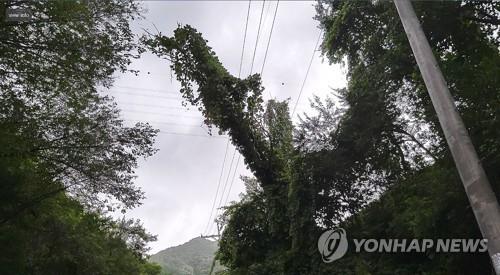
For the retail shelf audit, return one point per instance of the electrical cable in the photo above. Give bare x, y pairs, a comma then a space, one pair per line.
307, 73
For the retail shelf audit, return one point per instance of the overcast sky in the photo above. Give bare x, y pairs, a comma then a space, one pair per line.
180, 181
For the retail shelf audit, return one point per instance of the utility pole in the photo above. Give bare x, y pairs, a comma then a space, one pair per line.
477, 187
217, 237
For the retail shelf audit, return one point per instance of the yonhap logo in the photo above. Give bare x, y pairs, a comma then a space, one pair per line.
332, 244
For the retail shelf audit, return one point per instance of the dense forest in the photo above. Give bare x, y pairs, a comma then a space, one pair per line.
371, 158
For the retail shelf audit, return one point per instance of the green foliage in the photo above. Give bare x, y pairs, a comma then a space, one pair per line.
151, 269
235, 106
66, 158
67, 45
376, 163
246, 222
50, 69
426, 199
265, 233
432, 205
58, 236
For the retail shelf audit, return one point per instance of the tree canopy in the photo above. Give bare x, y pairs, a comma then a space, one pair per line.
66, 157
374, 162
372, 159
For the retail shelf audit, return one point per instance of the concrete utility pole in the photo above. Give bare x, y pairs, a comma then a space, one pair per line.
481, 197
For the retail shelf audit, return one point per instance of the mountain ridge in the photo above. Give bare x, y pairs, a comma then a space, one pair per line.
194, 257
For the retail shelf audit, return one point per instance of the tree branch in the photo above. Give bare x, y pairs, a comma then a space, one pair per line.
402, 131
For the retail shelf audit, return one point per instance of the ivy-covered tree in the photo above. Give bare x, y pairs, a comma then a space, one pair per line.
291, 182
235, 106
362, 163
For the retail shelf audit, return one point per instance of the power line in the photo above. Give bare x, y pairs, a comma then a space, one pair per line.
269, 39
218, 187
251, 69
232, 180
258, 34
267, 47
170, 132
192, 126
155, 106
143, 95
267, 11
244, 38
307, 72
162, 114
147, 89
145, 92
192, 135
225, 185
164, 123
228, 141
227, 179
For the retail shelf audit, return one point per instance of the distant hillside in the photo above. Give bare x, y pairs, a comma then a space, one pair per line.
192, 258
